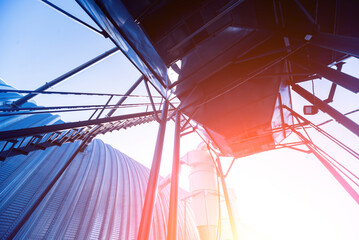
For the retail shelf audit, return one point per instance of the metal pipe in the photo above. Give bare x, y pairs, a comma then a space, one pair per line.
62, 109
65, 76
151, 192
172, 216
89, 107
74, 93
129, 91
228, 203
47, 111
74, 18
339, 117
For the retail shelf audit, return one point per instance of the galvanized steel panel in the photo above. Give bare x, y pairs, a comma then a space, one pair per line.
99, 196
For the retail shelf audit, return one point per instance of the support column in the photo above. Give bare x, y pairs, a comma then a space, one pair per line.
151, 193
339, 117
172, 215
228, 203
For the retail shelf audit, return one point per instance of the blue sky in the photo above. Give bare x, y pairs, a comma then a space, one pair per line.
282, 194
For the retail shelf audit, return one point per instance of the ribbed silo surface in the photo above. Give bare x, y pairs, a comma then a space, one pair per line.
99, 196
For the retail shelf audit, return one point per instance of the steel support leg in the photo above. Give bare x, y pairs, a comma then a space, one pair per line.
340, 118
228, 203
172, 216
151, 193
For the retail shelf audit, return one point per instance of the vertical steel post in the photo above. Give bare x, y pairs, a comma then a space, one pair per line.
228, 203
151, 192
172, 216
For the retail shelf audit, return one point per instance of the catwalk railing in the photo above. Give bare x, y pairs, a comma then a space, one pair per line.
23, 141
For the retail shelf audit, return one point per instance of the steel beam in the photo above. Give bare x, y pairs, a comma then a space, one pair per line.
228, 203
104, 107
103, 33
339, 117
151, 192
65, 76
305, 11
75, 93
340, 43
172, 216
62, 109
346, 81
127, 38
331, 93
11, 134
129, 91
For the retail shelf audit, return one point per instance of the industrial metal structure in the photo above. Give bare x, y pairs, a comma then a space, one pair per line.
240, 61
98, 196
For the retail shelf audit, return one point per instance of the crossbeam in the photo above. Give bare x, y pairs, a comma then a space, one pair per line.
339, 117
25, 132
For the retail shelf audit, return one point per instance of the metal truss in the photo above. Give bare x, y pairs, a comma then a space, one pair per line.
23, 141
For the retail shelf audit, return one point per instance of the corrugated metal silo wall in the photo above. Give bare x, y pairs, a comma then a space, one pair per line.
99, 196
